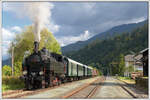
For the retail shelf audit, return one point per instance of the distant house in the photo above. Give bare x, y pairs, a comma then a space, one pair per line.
129, 61
135, 61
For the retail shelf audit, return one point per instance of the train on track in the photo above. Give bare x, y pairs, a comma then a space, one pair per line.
42, 69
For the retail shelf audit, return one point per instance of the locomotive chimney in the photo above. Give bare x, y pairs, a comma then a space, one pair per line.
36, 46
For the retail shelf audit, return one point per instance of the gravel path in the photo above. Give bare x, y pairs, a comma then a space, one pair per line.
60, 91
111, 89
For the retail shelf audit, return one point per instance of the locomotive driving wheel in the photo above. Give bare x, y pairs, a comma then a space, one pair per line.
28, 85
59, 82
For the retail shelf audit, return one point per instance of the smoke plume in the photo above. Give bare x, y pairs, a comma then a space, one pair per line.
39, 13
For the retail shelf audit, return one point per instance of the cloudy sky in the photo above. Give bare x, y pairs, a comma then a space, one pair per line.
72, 21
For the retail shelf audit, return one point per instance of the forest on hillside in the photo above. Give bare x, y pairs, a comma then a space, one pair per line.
100, 53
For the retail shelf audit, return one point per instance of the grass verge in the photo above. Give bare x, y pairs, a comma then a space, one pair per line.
127, 80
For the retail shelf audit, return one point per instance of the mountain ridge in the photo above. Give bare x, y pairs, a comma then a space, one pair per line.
107, 34
101, 53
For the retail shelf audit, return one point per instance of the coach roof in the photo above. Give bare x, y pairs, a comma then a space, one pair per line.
75, 62
86, 66
90, 67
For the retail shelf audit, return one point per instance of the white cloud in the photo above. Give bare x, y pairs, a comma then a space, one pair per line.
53, 28
5, 46
16, 29
72, 39
7, 36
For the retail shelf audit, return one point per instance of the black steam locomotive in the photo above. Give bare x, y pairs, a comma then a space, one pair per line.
43, 68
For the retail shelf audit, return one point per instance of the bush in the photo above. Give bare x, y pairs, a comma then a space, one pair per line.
6, 70
11, 83
100, 73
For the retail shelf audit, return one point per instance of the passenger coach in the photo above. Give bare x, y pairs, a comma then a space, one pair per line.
76, 70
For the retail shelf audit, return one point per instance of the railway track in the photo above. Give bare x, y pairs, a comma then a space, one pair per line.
126, 89
86, 91
21, 93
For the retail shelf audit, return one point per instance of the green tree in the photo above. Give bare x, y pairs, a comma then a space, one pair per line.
121, 65
6, 70
18, 68
24, 44
100, 72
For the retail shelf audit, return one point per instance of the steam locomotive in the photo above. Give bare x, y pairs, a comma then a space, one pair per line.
42, 69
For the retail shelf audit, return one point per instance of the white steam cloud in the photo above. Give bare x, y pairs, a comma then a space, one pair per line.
39, 13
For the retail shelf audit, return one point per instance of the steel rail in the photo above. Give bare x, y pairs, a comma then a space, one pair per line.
92, 92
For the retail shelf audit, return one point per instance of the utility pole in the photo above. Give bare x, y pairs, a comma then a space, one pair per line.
12, 59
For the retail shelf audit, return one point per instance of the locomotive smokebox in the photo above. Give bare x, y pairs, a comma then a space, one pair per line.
36, 46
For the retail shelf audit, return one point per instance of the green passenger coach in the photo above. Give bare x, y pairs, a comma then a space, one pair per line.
77, 70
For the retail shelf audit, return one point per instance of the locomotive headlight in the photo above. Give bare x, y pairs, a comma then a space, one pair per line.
24, 72
41, 73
